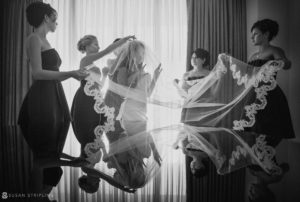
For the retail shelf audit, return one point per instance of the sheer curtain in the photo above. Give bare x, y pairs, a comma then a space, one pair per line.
15, 156
162, 25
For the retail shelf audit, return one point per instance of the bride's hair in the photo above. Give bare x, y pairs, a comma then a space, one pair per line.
133, 49
84, 42
128, 54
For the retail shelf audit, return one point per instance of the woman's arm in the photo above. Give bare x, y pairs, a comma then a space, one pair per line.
38, 73
93, 57
279, 54
53, 162
107, 178
67, 156
156, 155
183, 93
185, 86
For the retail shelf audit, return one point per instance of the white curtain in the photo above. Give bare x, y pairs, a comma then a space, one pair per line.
162, 25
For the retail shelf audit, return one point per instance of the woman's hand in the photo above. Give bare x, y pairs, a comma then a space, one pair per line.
175, 82
105, 71
79, 74
157, 157
157, 72
129, 190
287, 64
130, 37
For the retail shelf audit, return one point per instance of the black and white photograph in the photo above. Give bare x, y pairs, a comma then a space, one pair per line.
150, 101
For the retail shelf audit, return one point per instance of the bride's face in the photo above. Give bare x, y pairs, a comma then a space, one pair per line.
139, 55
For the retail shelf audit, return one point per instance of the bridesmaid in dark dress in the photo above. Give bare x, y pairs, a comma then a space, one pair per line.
196, 160
203, 183
274, 120
44, 116
84, 117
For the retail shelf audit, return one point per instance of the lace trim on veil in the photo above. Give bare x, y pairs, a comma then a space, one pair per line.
262, 82
266, 74
264, 153
92, 149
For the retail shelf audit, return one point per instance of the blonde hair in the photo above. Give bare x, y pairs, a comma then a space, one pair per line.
84, 42
133, 50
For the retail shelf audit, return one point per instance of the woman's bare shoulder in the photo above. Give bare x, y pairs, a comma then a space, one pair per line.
33, 39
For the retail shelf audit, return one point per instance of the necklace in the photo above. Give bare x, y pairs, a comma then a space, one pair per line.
258, 55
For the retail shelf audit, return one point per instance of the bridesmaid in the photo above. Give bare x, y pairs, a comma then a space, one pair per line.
274, 120
84, 117
200, 63
200, 68
44, 116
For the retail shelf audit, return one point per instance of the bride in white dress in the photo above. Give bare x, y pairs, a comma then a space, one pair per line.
200, 63
136, 86
133, 113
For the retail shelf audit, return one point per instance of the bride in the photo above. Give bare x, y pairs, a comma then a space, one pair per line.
128, 77
133, 113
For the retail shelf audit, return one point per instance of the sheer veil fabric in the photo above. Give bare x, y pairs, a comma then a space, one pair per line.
134, 148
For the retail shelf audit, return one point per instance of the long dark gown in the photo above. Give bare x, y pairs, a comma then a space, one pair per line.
44, 117
84, 117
